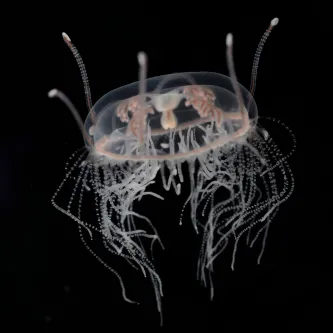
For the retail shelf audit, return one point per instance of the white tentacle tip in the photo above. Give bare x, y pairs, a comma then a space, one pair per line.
52, 93
274, 22
229, 40
142, 58
66, 37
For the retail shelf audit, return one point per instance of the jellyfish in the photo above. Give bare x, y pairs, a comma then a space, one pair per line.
197, 131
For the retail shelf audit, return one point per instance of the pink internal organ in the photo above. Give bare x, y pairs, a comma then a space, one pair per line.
199, 92
202, 100
139, 113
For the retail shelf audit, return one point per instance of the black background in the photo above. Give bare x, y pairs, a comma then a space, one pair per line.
51, 282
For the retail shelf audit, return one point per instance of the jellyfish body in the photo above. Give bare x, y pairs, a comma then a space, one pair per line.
205, 123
